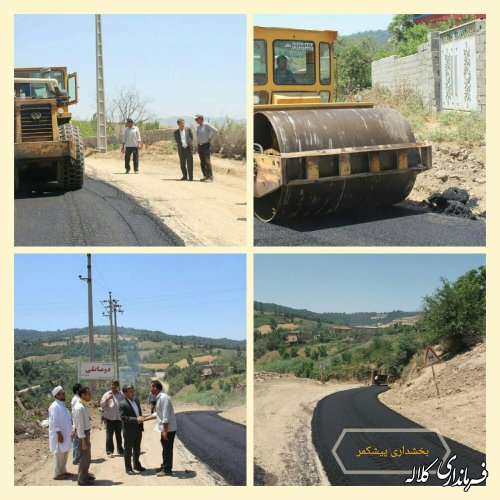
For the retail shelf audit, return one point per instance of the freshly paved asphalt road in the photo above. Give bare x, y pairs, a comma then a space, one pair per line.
404, 224
96, 215
361, 409
218, 442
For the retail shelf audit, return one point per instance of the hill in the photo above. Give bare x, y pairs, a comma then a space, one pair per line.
197, 369
339, 346
352, 319
22, 335
461, 408
379, 37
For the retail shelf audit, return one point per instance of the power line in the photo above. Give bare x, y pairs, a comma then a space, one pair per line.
140, 300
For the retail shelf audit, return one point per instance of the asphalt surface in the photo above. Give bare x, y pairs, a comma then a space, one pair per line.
96, 215
361, 409
218, 442
404, 224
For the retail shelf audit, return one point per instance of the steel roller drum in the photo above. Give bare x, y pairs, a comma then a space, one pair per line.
300, 130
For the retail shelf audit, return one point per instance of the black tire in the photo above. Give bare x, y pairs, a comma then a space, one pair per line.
69, 171
16, 179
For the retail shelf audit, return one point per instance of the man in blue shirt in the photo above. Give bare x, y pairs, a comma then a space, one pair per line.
282, 75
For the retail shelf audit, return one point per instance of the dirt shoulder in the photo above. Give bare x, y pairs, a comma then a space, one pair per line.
455, 166
236, 414
33, 464
201, 214
283, 408
460, 413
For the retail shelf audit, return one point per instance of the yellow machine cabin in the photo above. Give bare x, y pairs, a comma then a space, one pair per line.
293, 66
313, 155
47, 146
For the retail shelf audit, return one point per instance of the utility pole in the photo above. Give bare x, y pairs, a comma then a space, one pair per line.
88, 279
102, 144
111, 307
108, 312
117, 308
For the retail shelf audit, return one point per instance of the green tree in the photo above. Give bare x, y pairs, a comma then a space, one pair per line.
354, 57
456, 312
273, 325
294, 352
407, 36
399, 27
322, 351
273, 341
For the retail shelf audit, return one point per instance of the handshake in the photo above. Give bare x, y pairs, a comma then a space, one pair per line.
140, 420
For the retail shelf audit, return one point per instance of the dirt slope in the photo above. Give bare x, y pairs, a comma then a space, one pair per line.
455, 166
201, 214
283, 407
460, 413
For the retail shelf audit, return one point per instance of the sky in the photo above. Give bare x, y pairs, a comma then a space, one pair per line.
188, 294
355, 283
183, 64
345, 24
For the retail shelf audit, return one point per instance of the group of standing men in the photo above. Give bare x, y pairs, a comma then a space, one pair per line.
123, 415
183, 136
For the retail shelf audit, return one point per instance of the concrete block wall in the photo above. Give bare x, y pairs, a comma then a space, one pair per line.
422, 70
481, 65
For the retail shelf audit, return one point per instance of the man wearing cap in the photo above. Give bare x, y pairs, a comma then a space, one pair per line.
59, 433
205, 133
82, 425
109, 403
184, 138
131, 145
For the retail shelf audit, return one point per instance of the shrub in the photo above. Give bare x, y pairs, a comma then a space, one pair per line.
231, 140
463, 128
456, 312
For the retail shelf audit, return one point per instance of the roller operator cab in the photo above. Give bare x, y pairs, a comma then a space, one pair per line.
47, 146
313, 155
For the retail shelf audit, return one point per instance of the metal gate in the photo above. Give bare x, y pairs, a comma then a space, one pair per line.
458, 68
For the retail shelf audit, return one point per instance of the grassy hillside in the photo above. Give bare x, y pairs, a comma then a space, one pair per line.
322, 349
44, 359
352, 319
21, 335
454, 317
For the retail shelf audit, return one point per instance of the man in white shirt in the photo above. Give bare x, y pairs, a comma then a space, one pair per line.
184, 138
165, 424
74, 400
109, 403
205, 133
131, 145
81, 419
59, 433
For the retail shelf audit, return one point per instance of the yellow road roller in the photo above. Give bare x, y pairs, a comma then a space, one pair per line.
313, 155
